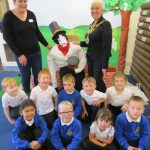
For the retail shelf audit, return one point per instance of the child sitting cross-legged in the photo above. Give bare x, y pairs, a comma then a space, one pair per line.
30, 130
12, 99
67, 131
43, 95
101, 133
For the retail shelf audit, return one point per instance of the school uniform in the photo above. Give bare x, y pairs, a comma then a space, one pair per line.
13, 103
116, 101
21, 134
44, 103
74, 98
89, 100
131, 132
94, 129
66, 136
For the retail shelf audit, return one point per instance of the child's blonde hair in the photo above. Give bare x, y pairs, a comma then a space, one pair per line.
68, 77
89, 80
119, 74
64, 103
136, 99
8, 82
44, 71
104, 114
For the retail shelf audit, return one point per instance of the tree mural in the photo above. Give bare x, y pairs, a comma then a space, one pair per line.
125, 7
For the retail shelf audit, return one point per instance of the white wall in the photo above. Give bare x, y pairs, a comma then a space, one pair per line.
134, 19
68, 13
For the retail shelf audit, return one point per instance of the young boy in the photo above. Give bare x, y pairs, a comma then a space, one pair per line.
92, 99
12, 99
43, 95
69, 93
67, 131
132, 129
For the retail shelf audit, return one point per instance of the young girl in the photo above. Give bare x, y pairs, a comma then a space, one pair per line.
101, 133
30, 130
118, 94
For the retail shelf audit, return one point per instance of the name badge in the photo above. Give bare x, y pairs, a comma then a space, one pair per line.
31, 20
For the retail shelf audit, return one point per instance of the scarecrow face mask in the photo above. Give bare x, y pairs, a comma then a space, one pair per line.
62, 40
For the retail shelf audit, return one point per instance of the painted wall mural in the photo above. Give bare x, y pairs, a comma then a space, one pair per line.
74, 17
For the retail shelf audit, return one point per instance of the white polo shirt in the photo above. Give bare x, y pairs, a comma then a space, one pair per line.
92, 98
43, 99
94, 129
118, 99
8, 100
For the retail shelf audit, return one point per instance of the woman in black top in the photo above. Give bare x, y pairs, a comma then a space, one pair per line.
20, 31
98, 42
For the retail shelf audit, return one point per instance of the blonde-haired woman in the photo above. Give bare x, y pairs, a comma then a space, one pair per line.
98, 42
21, 32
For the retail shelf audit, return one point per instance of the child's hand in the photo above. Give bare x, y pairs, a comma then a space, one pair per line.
124, 107
84, 114
132, 148
98, 102
139, 149
35, 145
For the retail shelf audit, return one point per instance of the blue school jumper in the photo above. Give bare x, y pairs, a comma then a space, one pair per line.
20, 125
132, 131
74, 98
71, 134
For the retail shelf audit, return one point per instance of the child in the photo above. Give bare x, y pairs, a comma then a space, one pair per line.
67, 131
42, 95
101, 133
92, 99
30, 130
69, 93
118, 94
132, 129
12, 99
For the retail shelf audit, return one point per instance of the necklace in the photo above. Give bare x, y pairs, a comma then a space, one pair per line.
92, 28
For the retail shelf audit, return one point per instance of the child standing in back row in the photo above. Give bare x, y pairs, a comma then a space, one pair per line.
118, 94
43, 95
12, 99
